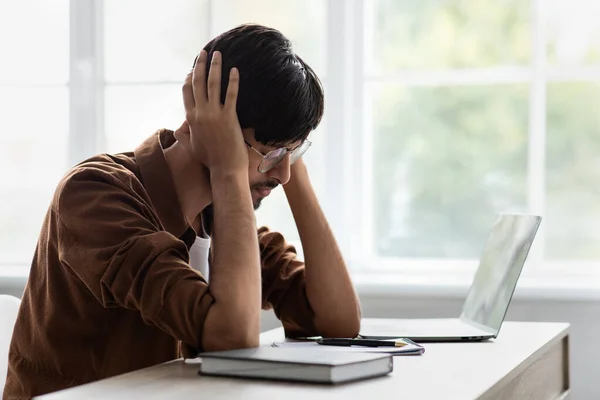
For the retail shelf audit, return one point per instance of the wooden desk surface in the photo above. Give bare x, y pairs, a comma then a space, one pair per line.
528, 360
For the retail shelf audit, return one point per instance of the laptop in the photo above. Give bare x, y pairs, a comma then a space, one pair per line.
489, 296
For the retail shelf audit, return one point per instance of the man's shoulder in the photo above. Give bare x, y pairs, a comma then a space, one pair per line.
103, 172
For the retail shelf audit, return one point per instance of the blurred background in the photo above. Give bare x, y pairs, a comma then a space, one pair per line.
439, 115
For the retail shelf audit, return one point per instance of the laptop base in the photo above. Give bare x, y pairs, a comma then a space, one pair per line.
423, 330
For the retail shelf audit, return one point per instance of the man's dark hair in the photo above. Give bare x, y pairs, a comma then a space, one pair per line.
280, 96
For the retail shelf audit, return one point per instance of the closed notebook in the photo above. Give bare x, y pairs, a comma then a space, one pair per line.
295, 364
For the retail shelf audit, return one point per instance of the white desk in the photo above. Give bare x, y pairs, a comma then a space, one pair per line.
528, 361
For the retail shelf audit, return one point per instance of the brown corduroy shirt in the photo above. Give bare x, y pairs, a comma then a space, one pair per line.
111, 289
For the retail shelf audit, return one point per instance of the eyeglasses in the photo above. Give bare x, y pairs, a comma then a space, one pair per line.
274, 157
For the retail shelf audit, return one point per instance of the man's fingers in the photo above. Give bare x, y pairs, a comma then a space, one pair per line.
199, 79
232, 89
188, 93
214, 79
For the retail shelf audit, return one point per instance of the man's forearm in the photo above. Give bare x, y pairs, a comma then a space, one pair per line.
328, 284
234, 319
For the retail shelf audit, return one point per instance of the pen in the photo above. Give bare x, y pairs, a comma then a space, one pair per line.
360, 342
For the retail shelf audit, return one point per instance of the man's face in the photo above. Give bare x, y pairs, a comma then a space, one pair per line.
262, 184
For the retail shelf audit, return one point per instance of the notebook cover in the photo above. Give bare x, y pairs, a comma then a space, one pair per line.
294, 356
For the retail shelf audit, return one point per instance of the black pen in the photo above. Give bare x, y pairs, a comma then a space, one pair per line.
360, 342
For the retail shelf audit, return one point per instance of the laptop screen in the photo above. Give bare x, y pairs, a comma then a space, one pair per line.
499, 269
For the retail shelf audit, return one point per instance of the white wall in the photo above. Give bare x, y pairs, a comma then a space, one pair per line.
583, 316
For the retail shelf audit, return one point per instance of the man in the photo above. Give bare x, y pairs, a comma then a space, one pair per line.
111, 287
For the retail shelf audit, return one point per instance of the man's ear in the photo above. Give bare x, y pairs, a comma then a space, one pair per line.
184, 128
183, 137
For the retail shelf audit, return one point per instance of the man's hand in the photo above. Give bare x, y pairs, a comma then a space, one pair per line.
215, 134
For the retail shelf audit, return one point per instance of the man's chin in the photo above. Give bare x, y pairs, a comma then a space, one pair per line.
257, 203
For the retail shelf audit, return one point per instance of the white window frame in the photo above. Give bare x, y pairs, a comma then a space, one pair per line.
86, 79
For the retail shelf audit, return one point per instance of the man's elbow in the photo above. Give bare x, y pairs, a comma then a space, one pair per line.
225, 331
346, 328
344, 324
225, 335
231, 342
226, 328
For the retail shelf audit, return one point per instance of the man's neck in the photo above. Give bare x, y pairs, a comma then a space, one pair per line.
191, 181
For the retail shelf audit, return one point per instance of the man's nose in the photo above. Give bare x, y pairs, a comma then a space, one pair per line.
281, 171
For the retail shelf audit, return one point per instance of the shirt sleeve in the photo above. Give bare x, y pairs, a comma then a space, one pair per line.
284, 285
112, 240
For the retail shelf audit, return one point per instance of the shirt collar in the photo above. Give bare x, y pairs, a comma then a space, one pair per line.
158, 181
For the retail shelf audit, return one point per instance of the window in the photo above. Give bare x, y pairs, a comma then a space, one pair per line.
479, 108
439, 114
448, 89
34, 118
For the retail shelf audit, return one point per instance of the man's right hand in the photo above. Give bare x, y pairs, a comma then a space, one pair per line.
215, 134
